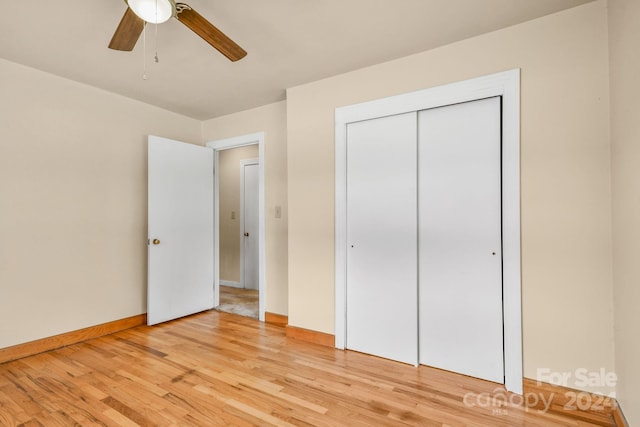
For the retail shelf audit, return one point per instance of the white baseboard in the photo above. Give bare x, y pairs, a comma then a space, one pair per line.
231, 284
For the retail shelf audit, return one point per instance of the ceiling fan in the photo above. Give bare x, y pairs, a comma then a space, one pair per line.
139, 12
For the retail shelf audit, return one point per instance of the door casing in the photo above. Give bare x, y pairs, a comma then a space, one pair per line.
505, 84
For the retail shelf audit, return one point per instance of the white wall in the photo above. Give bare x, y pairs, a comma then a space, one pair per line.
624, 35
270, 119
565, 178
73, 202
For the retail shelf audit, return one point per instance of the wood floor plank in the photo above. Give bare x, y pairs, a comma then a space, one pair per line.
11, 413
219, 369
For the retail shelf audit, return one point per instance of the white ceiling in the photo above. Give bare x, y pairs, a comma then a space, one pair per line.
289, 42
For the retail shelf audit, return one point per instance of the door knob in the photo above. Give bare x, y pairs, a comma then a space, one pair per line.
156, 241
246, 234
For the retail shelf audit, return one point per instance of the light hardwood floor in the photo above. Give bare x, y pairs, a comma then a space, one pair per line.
216, 368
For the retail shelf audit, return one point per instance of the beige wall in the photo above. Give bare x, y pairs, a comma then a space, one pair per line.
229, 198
624, 34
73, 202
270, 119
565, 169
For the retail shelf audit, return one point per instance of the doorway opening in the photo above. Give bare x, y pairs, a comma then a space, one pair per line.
239, 265
238, 231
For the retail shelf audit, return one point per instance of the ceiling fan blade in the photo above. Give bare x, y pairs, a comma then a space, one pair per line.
128, 32
209, 32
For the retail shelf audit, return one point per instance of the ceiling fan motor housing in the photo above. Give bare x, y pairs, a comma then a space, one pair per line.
153, 11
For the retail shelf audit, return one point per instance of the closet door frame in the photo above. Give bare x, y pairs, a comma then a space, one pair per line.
505, 84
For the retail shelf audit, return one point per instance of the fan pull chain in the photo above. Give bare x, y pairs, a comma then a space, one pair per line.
156, 41
144, 53
156, 57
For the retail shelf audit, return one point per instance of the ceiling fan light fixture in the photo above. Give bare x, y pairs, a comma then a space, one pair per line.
153, 11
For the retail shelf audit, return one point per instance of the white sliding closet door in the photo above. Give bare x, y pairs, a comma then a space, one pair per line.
382, 237
460, 243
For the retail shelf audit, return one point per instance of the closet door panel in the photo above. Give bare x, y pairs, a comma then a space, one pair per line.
460, 259
382, 237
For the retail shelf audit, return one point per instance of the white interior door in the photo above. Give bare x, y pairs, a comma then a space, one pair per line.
460, 239
180, 278
381, 238
250, 236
